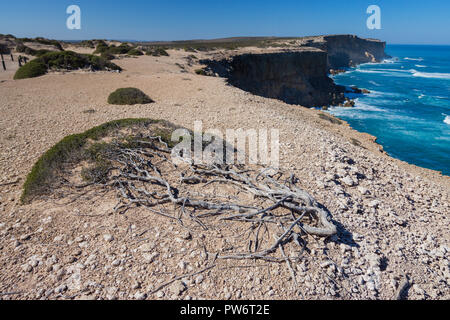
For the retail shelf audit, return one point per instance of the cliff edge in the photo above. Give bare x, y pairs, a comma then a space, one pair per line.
297, 74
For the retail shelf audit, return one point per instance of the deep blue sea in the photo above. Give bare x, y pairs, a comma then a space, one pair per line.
408, 109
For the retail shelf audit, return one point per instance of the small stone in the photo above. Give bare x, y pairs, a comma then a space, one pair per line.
371, 286
199, 279
186, 235
374, 204
71, 259
146, 247
79, 239
108, 237
182, 265
177, 288
27, 268
150, 257
116, 263
60, 289
136, 285
25, 237
363, 190
140, 296
160, 294
348, 181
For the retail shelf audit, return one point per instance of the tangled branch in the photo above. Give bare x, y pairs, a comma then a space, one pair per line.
145, 176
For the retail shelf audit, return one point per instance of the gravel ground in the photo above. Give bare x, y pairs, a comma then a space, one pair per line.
392, 217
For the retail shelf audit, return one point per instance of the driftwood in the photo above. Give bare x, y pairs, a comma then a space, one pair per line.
145, 176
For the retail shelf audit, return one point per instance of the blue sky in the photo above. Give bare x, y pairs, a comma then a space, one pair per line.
413, 22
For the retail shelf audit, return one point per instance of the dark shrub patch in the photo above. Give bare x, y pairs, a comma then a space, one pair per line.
329, 118
87, 44
156, 52
63, 60
200, 72
4, 49
72, 149
135, 52
32, 69
128, 96
107, 56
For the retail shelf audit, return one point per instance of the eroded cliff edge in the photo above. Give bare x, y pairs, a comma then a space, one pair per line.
297, 75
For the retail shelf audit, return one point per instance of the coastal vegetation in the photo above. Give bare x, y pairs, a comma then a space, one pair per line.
63, 60
21, 48
128, 96
156, 51
329, 118
75, 148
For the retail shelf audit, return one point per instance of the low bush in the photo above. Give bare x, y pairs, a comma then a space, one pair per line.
80, 147
135, 52
63, 60
329, 118
87, 44
107, 56
128, 96
34, 68
200, 72
156, 52
4, 49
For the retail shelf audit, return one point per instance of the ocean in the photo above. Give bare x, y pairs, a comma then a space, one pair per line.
408, 109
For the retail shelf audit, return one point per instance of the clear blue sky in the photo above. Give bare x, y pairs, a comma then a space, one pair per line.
413, 21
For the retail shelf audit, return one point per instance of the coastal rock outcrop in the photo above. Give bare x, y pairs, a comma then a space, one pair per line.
349, 50
298, 75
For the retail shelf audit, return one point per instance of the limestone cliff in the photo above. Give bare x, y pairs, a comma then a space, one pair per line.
297, 75
348, 50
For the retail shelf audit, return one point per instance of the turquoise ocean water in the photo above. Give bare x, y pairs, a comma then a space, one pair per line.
408, 109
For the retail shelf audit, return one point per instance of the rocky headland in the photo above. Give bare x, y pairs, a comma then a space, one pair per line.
298, 75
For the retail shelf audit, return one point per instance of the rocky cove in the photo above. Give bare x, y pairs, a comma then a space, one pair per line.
298, 75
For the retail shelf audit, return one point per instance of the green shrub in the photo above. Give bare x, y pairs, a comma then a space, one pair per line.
156, 52
4, 49
21, 48
128, 96
69, 150
63, 60
107, 56
135, 52
122, 49
329, 118
87, 44
32, 69
101, 48
41, 40
201, 72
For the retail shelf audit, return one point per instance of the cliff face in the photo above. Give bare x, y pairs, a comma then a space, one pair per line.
297, 75
349, 50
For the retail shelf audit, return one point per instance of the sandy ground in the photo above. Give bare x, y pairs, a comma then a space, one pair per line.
392, 216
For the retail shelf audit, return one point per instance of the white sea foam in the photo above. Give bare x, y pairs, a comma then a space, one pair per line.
366, 107
447, 120
414, 59
434, 75
420, 66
